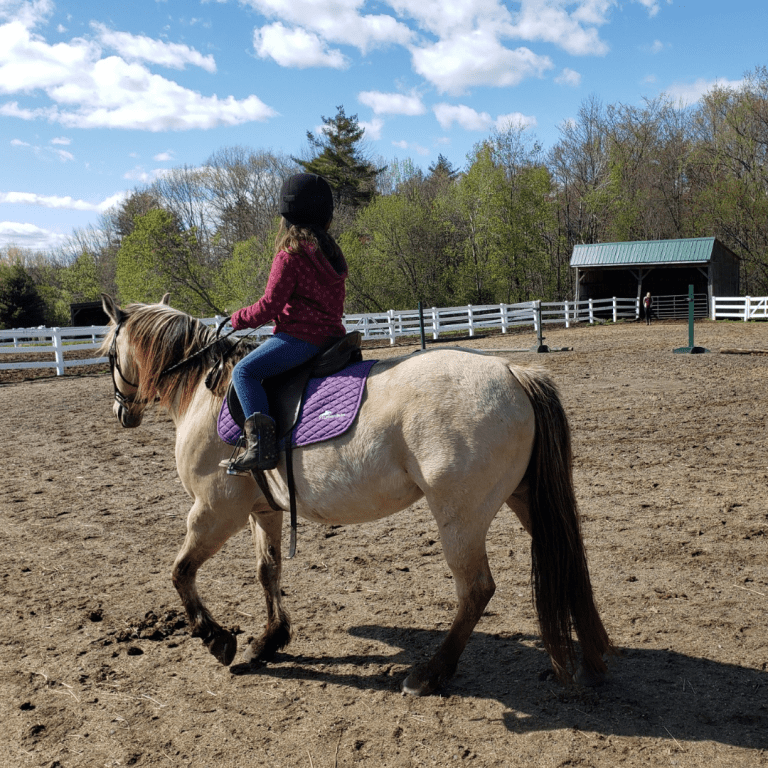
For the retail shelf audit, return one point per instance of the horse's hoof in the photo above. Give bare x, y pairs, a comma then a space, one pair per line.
589, 679
417, 685
222, 646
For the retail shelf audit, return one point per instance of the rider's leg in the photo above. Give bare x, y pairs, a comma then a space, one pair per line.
276, 355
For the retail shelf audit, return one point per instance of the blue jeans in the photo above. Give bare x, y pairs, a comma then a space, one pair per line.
277, 354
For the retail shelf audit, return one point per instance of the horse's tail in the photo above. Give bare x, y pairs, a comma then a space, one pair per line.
562, 591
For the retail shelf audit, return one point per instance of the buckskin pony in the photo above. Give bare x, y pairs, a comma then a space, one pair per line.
467, 431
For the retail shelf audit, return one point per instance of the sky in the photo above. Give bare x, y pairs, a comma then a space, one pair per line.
99, 98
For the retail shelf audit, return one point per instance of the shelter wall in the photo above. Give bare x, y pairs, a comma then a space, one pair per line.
724, 272
603, 282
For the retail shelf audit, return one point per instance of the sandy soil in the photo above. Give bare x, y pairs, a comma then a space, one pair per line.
97, 667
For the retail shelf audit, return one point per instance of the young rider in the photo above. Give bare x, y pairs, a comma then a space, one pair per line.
305, 299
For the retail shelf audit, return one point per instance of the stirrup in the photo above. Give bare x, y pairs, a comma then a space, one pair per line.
228, 464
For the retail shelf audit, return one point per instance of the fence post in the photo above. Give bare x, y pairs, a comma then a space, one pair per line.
747, 301
565, 310
58, 350
536, 308
504, 317
614, 310
469, 320
591, 313
713, 311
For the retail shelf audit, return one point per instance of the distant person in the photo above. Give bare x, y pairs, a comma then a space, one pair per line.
647, 307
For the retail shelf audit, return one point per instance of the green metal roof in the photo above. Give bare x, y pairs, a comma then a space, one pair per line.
695, 250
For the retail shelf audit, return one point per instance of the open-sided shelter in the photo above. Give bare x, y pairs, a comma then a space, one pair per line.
663, 267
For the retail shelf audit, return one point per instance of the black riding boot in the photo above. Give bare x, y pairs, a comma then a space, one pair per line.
260, 444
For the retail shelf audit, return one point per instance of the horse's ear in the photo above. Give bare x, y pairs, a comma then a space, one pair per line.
166, 300
110, 307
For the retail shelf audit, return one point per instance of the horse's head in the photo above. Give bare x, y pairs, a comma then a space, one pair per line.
129, 405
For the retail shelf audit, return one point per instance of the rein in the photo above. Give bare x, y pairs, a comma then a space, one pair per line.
211, 379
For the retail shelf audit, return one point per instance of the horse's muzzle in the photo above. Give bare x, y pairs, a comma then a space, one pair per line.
128, 417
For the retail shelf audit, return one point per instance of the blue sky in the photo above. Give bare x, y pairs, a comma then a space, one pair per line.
97, 98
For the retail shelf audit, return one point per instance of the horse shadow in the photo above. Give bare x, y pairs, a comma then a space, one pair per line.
650, 693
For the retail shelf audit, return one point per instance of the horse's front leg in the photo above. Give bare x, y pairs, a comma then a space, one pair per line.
207, 531
266, 529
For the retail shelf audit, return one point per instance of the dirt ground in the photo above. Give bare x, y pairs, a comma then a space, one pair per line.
97, 667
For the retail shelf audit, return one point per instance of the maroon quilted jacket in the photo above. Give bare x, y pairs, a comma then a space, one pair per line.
304, 297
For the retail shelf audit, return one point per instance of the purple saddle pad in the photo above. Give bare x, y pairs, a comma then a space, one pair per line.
330, 406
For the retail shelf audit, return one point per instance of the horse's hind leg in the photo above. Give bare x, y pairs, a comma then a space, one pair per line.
266, 529
207, 531
463, 540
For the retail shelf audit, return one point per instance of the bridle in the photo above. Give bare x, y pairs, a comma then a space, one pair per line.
123, 401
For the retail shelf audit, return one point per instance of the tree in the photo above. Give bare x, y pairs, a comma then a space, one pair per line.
729, 173
396, 253
21, 305
160, 256
81, 279
340, 158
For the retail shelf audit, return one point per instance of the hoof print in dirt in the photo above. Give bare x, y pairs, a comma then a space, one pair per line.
152, 627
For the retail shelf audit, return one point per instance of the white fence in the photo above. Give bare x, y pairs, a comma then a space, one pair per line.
739, 308
388, 325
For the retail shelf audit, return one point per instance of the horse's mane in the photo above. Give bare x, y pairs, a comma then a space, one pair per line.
161, 337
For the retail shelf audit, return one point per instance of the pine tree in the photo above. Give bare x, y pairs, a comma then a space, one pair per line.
341, 160
443, 168
21, 305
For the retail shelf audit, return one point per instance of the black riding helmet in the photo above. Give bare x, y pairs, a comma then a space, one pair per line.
306, 200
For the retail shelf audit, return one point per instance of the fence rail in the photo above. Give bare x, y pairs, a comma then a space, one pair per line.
396, 324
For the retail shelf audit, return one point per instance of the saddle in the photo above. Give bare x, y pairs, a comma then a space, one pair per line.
285, 394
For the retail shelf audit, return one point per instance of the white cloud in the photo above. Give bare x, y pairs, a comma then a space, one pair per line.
472, 120
30, 14
657, 47
690, 93
651, 5
392, 103
140, 174
569, 77
575, 32
54, 201
46, 152
472, 59
336, 21
61, 140
163, 157
296, 48
514, 120
417, 148
466, 117
63, 155
30, 236
89, 91
372, 128
142, 48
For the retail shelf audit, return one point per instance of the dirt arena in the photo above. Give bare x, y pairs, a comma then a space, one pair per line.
97, 667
